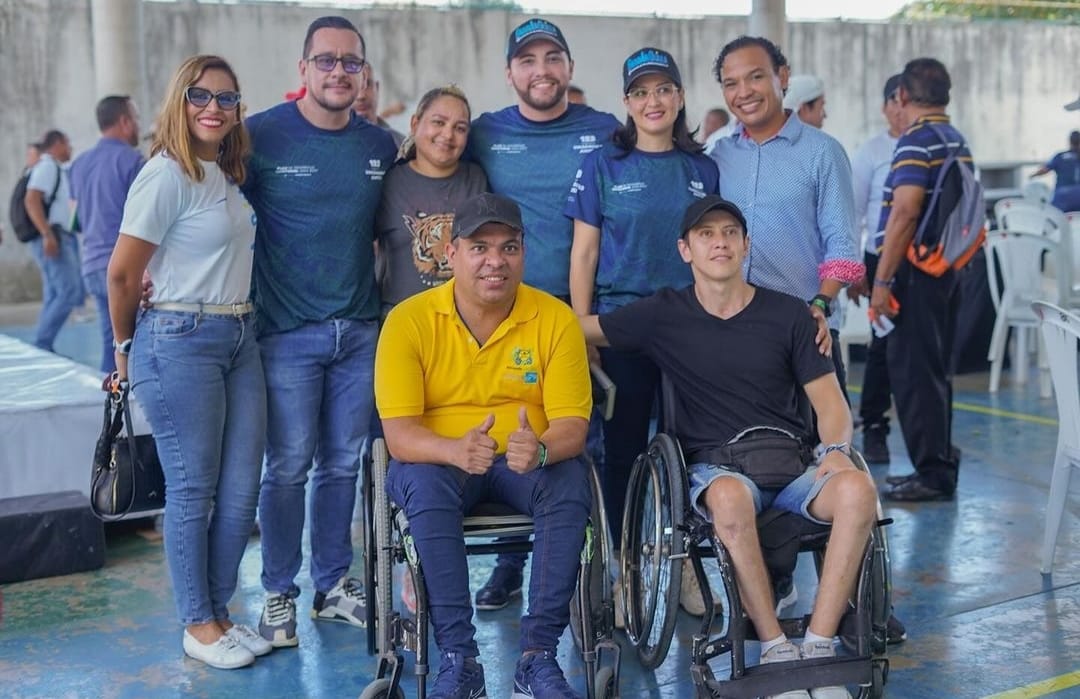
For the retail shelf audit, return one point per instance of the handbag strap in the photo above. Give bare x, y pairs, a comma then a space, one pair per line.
121, 417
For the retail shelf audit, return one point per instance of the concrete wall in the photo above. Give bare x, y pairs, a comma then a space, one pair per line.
1010, 78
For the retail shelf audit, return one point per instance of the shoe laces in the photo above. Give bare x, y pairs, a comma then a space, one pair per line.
227, 642
245, 631
353, 589
454, 675
279, 609
543, 671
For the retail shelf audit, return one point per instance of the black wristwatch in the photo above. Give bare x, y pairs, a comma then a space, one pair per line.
823, 302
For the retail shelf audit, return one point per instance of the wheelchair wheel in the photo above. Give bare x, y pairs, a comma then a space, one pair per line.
651, 563
367, 504
597, 551
380, 689
383, 589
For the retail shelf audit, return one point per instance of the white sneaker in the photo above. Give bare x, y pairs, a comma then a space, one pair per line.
690, 597
345, 602
823, 649
786, 652
246, 636
224, 653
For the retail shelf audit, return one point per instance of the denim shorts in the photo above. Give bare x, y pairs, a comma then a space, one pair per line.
795, 497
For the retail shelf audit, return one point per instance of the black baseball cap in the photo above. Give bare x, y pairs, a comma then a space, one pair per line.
534, 30
473, 213
891, 86
648, 61
712, 202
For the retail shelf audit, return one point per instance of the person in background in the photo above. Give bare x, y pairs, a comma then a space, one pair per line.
626, 203
806, 97
869, 168
1066, 166
366, 103
55, 250
191, 357
575, 95
100, 180
420, 194
715, 119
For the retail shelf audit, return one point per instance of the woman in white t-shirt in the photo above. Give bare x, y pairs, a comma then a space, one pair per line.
192, 357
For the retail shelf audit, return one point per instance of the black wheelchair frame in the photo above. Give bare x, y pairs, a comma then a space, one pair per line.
390, 632
660, 529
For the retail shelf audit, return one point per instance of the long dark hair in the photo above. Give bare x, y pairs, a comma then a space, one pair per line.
625, 137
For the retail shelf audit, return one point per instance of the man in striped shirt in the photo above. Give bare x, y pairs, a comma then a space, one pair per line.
919, 350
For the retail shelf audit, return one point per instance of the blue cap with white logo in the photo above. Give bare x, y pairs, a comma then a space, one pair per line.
534, 30
649, 61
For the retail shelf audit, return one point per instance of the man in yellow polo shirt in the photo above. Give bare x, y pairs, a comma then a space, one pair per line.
484, 392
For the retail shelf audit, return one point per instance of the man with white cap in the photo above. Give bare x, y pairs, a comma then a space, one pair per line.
806, 97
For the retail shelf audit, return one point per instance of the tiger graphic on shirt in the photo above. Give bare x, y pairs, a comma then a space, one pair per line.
430, 237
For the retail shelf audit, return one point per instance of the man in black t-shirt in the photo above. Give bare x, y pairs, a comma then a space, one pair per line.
738, 357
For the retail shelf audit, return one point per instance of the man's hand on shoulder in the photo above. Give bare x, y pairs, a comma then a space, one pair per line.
823, 338
523, 446
476, 449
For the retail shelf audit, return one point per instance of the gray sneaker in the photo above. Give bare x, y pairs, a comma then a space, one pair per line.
786, 652
345, 602
824, 649
278, 621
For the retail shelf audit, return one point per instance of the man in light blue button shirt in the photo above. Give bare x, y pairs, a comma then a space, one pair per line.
793, 183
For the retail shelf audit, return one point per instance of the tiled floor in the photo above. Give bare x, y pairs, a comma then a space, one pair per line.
981, 619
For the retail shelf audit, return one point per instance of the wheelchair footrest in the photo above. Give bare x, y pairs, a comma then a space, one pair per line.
775, 678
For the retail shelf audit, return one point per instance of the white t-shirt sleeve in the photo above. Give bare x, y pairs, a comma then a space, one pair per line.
155, 201
43, 177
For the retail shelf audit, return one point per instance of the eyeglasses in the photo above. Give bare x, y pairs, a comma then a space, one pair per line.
326, 62
662, 92
200, 97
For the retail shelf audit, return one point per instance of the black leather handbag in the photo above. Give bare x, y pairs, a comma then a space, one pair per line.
127, 476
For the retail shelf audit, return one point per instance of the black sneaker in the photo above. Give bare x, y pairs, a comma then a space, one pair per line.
875, 449
895, 632
459, 678
504, 583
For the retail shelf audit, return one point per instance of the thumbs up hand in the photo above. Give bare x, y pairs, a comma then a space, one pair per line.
476, 449
523, 446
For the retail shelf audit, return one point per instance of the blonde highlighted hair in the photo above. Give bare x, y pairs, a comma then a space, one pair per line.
172, 137
407, 150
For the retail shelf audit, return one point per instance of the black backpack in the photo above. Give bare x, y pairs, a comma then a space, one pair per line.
24, 228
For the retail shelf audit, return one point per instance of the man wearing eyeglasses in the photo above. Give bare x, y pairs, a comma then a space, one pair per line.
314, 181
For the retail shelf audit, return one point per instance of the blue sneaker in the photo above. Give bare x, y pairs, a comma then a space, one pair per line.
459, 678
538, 676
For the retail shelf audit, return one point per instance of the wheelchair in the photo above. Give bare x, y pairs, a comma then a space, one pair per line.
661, 528
390, 632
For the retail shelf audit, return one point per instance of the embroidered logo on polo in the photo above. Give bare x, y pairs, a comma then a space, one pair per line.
577, 187
522, 356
629, 188
375, 169
509, 148
296, 170
697, 189
587, 143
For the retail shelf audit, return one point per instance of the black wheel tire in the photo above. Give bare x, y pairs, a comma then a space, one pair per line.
380, 689
635, 562
881, 676
599, 583
666, 462
382, 594
604, 683
367, 504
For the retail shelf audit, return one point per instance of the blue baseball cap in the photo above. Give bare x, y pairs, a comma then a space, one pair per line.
649, 61
534, 30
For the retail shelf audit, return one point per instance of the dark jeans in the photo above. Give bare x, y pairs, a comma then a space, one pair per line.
876, 392
435, 499
918, 353
626, 434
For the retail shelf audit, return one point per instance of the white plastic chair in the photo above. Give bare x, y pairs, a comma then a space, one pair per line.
1070, 246
1061, 334
1038, 192
1020, 257
854, 330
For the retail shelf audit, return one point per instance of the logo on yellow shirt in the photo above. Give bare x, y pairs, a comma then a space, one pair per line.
522, 357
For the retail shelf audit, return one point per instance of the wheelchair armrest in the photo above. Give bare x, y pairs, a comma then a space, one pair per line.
606, 388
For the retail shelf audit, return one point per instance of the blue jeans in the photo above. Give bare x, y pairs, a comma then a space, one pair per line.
435, 499
795, 497
61, 287
97, 286
199, 380
320, 396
